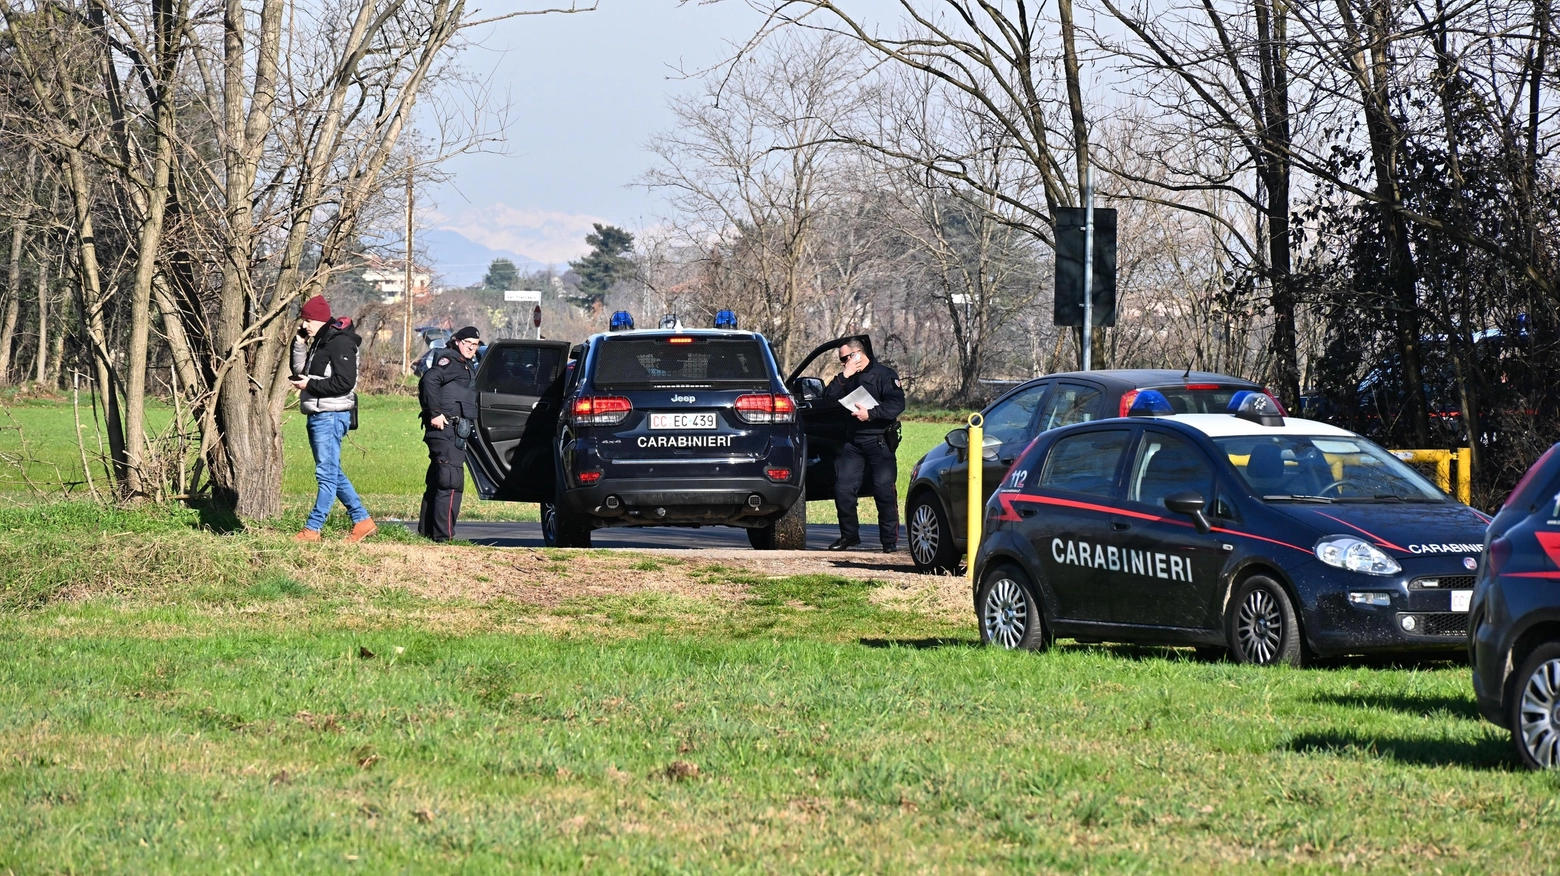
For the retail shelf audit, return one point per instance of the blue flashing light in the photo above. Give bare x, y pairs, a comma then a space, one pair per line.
1151, 403
1237, 400
726, 319
1258, 407
622, 321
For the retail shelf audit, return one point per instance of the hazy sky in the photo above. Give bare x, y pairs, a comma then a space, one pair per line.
587, 91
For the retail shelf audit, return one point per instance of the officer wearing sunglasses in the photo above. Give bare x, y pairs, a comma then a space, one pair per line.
871, 440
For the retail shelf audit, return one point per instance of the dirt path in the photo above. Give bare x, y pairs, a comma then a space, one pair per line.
550, 577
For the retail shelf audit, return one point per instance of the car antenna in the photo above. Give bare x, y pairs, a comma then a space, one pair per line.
1187, 375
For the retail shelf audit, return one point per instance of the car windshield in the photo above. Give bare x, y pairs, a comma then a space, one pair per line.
681, 361
1301, 468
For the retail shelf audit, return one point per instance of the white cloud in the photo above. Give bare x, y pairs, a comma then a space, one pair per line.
543, 235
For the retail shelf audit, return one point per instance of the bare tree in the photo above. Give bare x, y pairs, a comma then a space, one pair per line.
749, 170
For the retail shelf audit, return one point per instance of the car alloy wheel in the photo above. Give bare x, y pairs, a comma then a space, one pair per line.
1535, 728
1006, 613
931, 539
925, 534
1260, 626
549, 524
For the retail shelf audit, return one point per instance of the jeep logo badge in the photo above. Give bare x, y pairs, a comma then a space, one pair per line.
683, 398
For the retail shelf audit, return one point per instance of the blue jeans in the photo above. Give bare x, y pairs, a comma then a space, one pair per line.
325, 433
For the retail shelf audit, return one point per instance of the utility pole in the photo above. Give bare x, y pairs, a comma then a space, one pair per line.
406, 333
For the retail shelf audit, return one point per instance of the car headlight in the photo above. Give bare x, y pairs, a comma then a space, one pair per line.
1348, 552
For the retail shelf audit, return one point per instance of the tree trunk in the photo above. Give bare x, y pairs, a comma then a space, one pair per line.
40, 366
13, 298
1272, 36
57, 355
1372, 71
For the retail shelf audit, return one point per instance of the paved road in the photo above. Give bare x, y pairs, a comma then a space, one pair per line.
530, 535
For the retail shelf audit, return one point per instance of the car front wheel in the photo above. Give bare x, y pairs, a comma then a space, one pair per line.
1535, 708
1010, 614
1261, 626
931, 539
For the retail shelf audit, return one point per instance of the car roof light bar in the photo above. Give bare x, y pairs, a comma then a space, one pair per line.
1257, 407
1151, 403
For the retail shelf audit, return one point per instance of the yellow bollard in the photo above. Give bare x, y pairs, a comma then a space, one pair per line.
1465, 475
977, 456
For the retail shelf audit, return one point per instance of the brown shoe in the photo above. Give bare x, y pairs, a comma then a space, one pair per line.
362, 530
307, 535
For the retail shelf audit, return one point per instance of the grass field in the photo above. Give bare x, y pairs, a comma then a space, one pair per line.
385, 458
177, 701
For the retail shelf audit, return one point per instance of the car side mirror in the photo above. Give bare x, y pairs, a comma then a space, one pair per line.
1191, 504
810, 388
958, 439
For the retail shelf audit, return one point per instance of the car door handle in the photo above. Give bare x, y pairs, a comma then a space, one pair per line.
1028, 512
541, 405
1120, 525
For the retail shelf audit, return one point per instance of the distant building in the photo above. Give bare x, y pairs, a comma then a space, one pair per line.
389, 277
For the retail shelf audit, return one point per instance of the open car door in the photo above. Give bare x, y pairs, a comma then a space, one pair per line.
519, 389
826, 424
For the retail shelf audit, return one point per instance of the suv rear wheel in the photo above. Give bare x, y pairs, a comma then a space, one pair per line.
788, 532
931, 539
572, 530
549, 513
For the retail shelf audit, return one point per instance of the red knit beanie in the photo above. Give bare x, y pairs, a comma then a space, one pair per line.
315, 308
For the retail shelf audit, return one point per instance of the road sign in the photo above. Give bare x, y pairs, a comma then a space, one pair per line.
536, 316
1069, 266
522, 296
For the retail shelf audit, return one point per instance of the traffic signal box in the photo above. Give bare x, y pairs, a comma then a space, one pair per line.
1069, 266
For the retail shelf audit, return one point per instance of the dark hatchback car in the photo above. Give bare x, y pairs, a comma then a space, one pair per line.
1514, 638
1274, 537
642, 428
936, 501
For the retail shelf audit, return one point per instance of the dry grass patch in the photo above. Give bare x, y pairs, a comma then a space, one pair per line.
545, 578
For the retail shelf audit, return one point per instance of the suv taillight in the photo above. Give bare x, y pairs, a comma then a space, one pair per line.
766, 408
600, 410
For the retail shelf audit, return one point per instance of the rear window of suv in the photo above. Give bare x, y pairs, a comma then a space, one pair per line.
1199, 401
735, 362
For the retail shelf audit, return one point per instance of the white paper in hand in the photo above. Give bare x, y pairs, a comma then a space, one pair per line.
859, 396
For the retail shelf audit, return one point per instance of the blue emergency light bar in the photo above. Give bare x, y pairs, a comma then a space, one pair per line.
726, 319
622, 321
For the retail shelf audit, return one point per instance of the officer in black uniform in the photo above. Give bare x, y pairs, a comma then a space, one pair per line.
448, 392
868, 440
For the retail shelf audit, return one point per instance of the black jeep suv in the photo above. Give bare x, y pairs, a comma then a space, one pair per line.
642, 428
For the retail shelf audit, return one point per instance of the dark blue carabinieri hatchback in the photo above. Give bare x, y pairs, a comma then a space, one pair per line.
1274, 537
1514, 643
644, 428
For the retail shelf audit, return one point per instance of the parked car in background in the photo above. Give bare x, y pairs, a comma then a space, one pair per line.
1514, 634
936, 501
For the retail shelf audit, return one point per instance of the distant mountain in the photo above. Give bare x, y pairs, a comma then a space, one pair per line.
460, 261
